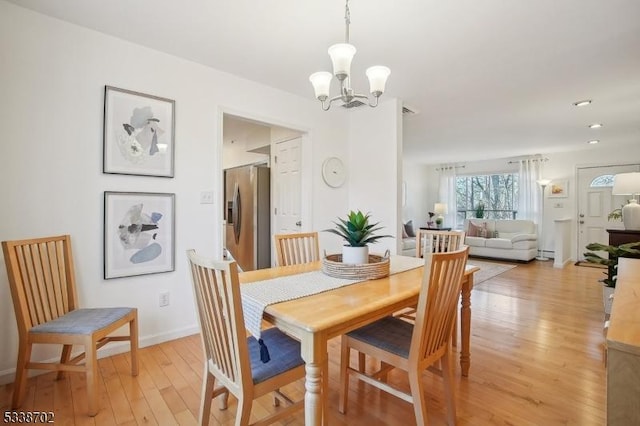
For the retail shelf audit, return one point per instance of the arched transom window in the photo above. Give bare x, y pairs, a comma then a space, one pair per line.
602, 181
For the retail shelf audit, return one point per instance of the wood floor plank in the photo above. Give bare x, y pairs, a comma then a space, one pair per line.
536, 359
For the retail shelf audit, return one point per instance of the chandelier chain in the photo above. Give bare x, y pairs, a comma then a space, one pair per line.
347, 21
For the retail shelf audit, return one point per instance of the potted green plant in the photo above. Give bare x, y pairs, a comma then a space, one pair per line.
611, 262
479, 213
357, 233
615, 214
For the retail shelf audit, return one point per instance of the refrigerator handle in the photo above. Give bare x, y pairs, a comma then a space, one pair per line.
236, 213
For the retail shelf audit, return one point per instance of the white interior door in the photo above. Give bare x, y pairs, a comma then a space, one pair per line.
595, 202
287, 187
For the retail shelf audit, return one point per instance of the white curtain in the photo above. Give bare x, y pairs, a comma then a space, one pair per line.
529, 193
447, 194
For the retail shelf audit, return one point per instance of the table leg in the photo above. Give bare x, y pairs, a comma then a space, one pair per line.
465, 325
314, 353
312, 397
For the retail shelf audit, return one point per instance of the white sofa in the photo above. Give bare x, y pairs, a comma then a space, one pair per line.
505, 239
409, 246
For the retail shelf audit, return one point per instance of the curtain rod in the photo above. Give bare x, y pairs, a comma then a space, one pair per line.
449, 168
529, 159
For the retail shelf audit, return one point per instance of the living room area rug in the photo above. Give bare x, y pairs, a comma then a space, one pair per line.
488, 270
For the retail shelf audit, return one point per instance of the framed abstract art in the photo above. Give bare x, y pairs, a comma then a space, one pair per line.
139, 233
139, 133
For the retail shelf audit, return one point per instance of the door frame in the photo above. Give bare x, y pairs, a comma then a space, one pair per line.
578, 197
306, 197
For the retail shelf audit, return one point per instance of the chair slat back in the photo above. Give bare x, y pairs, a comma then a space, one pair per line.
217, 294
436, 311
41, 278
294, 249
428, 241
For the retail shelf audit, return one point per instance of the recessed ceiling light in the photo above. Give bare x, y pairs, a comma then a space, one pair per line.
593, 142
582, 103
595, 125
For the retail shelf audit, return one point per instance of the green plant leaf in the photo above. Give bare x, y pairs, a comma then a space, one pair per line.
356, 229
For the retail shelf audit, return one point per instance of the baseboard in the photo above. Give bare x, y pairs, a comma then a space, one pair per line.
7, 376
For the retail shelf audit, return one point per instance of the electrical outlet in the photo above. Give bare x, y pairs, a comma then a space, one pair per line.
206, 197
163, 299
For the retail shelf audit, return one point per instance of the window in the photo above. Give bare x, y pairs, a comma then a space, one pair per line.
602, 181
498, 193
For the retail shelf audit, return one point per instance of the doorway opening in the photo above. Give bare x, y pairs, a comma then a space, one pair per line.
263, 187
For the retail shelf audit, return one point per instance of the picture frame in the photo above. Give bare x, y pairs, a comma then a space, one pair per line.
138, 133
558, 189
139, 233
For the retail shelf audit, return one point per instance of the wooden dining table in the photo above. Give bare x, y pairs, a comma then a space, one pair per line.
315, 319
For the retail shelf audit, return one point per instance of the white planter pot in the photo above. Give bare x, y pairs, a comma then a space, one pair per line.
607, 298
355, 255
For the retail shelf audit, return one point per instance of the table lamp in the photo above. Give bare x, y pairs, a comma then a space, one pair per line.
441, 209
628, 184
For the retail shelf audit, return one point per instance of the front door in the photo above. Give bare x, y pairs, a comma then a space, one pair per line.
595, 202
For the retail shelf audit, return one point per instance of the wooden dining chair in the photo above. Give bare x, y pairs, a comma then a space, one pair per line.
230, 357
294, 249
413, 347
432, 241
43, 288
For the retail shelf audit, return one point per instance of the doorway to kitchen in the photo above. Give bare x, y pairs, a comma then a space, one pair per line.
253, 148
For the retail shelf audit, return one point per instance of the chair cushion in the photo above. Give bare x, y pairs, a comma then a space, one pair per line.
389, 333
284, 352
82, 321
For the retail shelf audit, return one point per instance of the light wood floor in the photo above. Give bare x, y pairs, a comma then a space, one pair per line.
537, 359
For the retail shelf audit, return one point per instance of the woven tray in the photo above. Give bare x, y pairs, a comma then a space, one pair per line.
377, 267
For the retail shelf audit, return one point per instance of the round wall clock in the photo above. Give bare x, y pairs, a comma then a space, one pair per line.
333, 172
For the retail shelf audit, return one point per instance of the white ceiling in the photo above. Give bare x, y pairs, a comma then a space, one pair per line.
490, 78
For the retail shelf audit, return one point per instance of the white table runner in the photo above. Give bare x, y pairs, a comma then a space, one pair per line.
256, 296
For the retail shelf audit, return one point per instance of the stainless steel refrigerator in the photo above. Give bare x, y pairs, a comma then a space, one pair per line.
248, 216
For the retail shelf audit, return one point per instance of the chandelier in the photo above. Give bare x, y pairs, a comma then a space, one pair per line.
341, 56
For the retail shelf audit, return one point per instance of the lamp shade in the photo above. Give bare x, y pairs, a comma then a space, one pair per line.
377, 76
321, 81
440, 208
543, 182
341, 57
626, 183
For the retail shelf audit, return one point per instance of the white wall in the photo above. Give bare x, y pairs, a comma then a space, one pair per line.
375, 168
52, 82
418, 183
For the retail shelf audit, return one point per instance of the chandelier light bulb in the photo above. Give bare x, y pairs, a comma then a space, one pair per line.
377, 76
321, 81
341, 56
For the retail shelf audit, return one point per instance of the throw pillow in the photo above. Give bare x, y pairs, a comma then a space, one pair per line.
404, 232
408, 227
473, 231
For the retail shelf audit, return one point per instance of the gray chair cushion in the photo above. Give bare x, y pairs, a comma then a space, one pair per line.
82, 321
389, 333
284, 352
